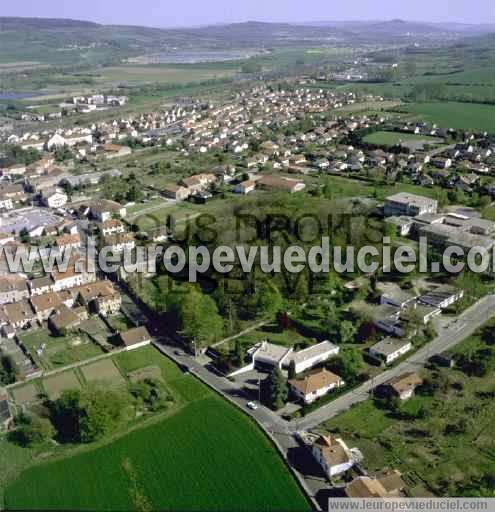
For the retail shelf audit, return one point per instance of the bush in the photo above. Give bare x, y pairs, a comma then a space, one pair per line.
31, 430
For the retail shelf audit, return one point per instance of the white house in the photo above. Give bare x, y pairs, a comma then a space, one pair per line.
314, 386
245, 187
54, 198
135, 338
333, 455
311, 356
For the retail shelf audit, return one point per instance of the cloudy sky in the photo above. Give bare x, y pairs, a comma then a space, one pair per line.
167, 13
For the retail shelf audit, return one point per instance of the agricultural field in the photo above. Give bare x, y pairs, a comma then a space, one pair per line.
203, 455
103, 372
55, 385
440, 441
390, 139
135, 75
464, 116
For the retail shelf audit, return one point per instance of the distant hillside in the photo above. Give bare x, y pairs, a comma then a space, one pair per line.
43, 23
401, 28
252, 31
73, 42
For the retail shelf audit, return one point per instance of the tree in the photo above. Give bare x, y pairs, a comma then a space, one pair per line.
349, 365
150, 394
83, 416
134, 194
239, 352
292, 369
269, 299
8, 370
31, 430
278, 391
63, 154
348, 331
330, 316
197, 316
24, 236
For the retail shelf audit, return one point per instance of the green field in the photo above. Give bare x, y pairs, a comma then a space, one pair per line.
384, 138
134, 74
462, 116
204, 455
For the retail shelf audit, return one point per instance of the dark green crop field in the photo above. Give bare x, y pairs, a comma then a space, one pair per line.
208, 456
462, 116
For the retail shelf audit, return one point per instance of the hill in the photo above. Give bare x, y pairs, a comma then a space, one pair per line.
8, 23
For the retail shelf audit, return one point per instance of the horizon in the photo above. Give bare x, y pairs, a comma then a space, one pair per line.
192, 13
261, 21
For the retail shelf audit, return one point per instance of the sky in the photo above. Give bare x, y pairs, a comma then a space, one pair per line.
170, 13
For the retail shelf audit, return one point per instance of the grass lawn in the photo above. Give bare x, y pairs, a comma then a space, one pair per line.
59, 350
347, 187
455, 115
395, 138
206, 455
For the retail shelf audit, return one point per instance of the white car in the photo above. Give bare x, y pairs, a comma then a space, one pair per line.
252, 406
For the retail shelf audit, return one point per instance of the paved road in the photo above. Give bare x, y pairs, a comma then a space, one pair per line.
456, 331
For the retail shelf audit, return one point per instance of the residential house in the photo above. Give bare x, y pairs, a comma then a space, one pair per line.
281, 183
115, 151
177, 192
45, 305
63, 319
54, 198
198, 182
13, 288
100, 297
17, 315
403, 386
119, 242
245, 187
135, 338
312, 356
314, 386
68, 279
112, 227
388, 485
40, 285
68, 241
390, 349
104, 209
333, 455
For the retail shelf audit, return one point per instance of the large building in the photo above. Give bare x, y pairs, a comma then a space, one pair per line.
410, 205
